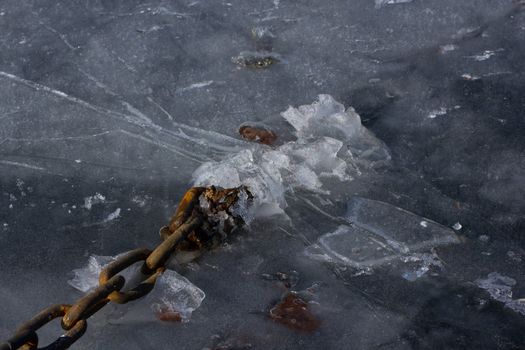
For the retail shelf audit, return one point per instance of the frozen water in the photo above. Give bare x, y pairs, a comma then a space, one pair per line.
500, 288
128, 99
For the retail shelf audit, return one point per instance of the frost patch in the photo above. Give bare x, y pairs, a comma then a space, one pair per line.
500, 288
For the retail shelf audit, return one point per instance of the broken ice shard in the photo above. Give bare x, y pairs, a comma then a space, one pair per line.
175, 295
400, 228
379, 232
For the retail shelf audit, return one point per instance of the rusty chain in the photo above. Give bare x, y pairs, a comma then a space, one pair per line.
191, 227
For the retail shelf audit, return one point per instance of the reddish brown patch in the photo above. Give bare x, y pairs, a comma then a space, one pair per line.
252, 133
292, 311
166, 315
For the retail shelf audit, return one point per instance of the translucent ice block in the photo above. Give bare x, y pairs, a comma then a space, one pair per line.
380, 232
403, 230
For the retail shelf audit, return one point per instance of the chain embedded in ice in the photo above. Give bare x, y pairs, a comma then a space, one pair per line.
172, 293
331, 142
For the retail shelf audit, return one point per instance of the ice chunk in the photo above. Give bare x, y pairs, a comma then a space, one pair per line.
500, 288
379, 233
400, 228
331, 143
175, 294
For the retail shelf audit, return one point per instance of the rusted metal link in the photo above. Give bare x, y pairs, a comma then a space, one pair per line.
163, 251
120, 264
91, 302
183, 212
27, 339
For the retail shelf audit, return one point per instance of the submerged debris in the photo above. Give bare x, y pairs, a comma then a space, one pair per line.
259, 59
294, 312
257, 134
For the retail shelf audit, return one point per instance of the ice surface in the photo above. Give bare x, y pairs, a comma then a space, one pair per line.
500, 288
380, 233
128, 99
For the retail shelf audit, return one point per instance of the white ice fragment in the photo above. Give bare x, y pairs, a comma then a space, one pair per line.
435, 113
457, 226
92, 200
448, 48
500, 288
379, 233
484, 56
197, 85
381, 3
112, 216
471, 77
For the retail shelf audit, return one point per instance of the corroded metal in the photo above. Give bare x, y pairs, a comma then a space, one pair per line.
26, 337
122, 263
91, 302
162, 253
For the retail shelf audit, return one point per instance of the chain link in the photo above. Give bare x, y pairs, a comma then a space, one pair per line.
188, 219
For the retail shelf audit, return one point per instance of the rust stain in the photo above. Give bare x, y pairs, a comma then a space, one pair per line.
294, 312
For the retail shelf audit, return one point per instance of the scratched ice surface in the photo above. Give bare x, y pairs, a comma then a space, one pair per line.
109, 111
